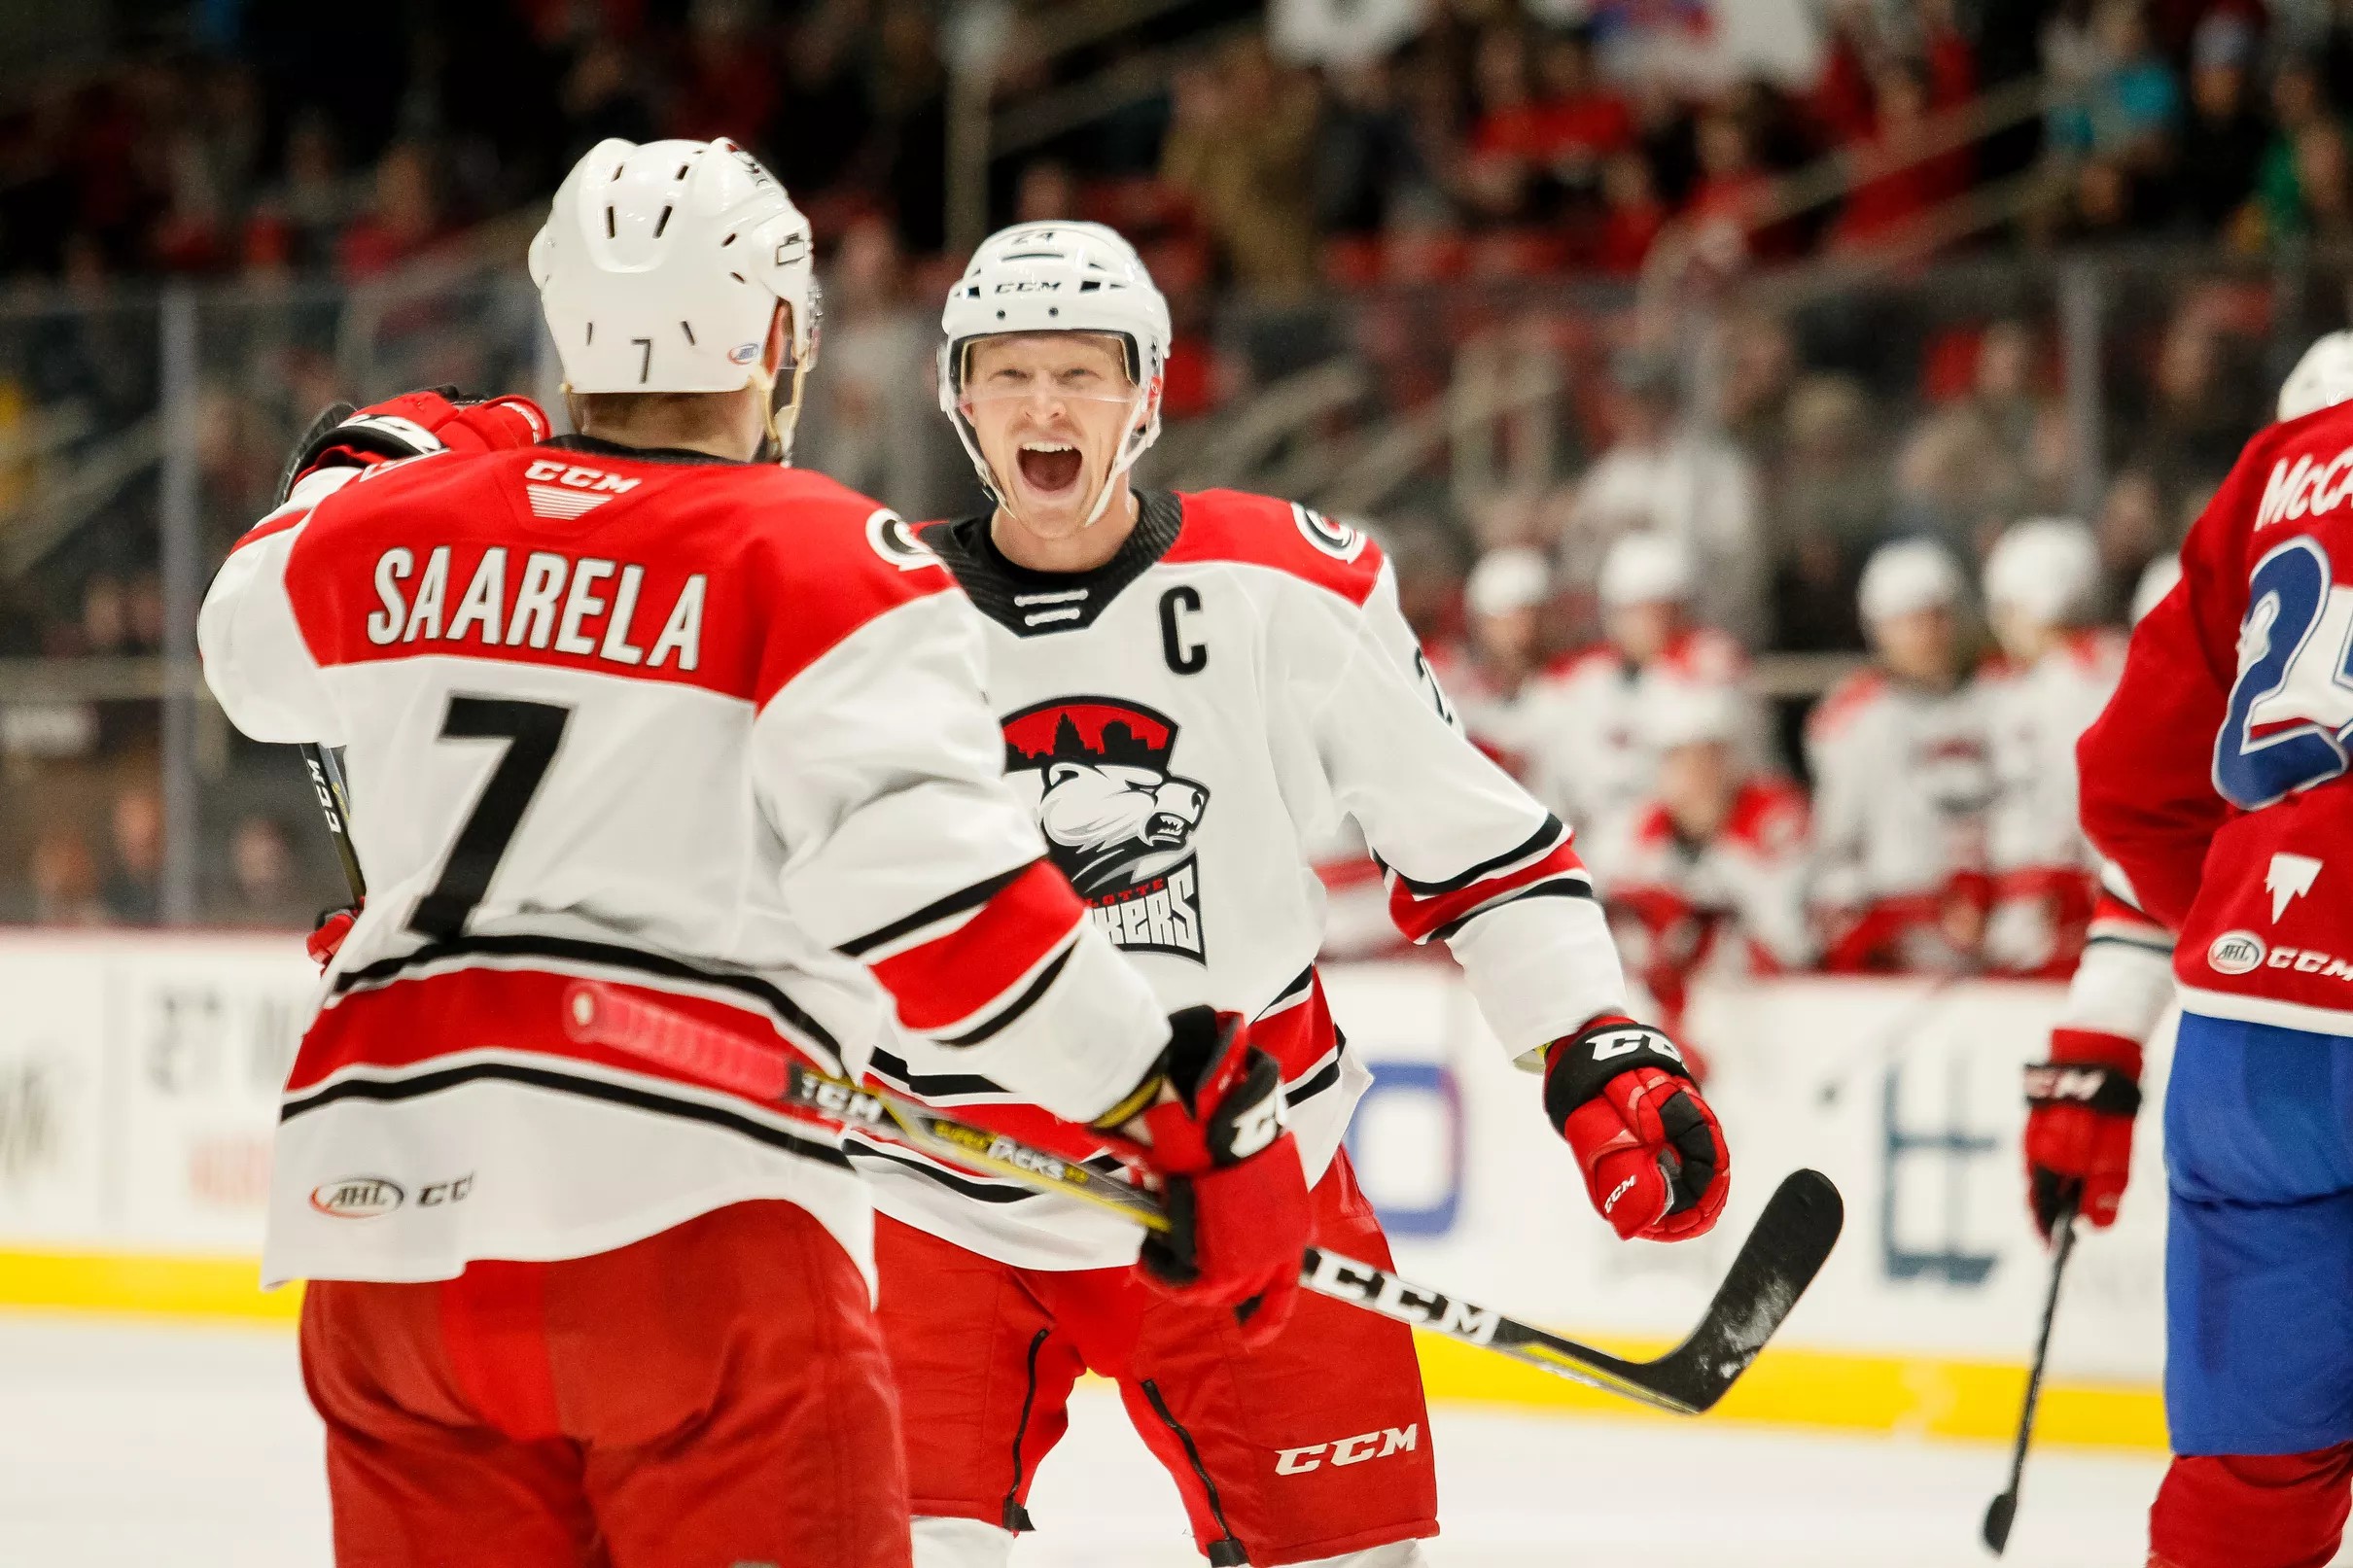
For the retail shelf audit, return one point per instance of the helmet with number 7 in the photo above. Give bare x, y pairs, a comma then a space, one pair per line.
1058, 277
661, 265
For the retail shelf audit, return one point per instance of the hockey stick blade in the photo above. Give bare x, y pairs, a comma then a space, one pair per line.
1791, 1241
1784, 1252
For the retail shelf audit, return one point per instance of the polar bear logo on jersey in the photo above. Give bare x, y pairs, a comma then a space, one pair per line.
1120, 822
1116, 820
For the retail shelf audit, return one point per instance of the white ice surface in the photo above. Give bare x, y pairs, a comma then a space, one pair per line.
125, 1446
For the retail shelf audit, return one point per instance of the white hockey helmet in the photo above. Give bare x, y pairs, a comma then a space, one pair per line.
2044, 568
662, 265
1645, 569
1508, 580
2157, 579
2321, 380
1908, 576
1683, 712
1058, 277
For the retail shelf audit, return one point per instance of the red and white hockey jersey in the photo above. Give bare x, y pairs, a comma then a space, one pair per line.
1187, 722
1579, 724
2044, 873
706, 729
1902, 780
2215, 780
1723, 908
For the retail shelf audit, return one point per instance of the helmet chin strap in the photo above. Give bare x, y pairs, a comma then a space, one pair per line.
782, 416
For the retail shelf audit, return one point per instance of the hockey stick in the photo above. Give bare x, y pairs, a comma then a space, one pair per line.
327, 781
1781, 1257
2003, 1510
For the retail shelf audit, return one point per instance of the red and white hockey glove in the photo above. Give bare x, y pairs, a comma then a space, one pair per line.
1653, 1155
326, 939
415, 423
2079, 1107
1236, 1196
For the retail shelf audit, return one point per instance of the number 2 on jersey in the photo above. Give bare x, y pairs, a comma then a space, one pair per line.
2293, 701
531, 731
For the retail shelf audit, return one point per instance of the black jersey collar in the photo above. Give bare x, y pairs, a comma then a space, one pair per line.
1037, 603
598, 446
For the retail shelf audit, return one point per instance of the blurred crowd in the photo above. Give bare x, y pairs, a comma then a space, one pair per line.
1498, 138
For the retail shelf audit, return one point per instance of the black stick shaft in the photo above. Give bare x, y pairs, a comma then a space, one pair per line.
335, 804
2003, 1511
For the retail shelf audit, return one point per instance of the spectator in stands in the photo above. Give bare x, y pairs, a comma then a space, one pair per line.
2299, 107
1367, 158
1705, 880
2133, 532
603, 95
1988, 456
264, 887
403, 222
1241, 146
1582, 120
1045, 192
869, 407
105, 618
1830, 507
133, 889
1897, 182
2223, 144
1667, 475
63, 881
1504, 162
1902, 777
1633, 215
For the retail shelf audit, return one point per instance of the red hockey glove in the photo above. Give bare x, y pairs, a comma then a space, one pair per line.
1237, 1203
411, 425
1653, 1155
2080, 1106
326, 939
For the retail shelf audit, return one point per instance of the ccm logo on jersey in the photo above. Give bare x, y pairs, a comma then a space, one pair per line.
1117, 821
2241, 953
550, 598
565, 490
1353, 1450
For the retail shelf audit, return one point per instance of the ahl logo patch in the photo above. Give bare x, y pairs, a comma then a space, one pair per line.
1118, 823
357, 1198
2236, 953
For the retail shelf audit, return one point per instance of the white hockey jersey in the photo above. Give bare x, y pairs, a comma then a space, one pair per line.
1578, 725
1903, 779
710, 731
2044, 869
1188, 721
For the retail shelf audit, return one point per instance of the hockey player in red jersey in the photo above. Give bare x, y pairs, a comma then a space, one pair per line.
2214, 782
635, 719
1902, 779
1193, 690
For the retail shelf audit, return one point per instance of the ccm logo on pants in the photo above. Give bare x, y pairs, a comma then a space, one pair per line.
1350, 1450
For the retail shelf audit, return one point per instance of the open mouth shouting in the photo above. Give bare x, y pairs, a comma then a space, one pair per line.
1051, 468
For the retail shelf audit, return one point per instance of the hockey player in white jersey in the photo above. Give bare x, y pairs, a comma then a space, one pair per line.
1902, 779
2057, 667
1193, 689
1582, 718
642, 726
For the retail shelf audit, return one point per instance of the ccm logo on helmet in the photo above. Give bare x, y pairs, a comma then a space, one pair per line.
1348, 1451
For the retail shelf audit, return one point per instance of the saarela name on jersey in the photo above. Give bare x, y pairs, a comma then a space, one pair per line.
554, 600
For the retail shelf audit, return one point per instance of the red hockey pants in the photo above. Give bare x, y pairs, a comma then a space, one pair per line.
716, 1395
